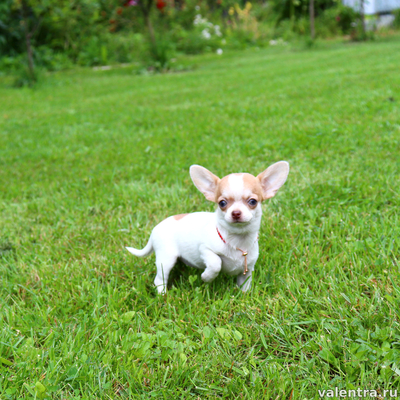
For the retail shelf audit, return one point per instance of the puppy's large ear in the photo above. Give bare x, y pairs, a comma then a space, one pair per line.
205, 181
273, 178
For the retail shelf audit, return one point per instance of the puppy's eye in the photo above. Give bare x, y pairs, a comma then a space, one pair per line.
252, 202
223, 203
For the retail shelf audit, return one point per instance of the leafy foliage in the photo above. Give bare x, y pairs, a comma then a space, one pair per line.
103, 32
295, 9
396, 22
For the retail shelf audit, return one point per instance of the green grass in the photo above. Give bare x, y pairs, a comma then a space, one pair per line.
91, 161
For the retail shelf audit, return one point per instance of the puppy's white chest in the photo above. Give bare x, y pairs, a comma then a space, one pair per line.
234, 263
233, 266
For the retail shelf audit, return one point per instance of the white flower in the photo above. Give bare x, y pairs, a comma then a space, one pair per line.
197, 8
198, 20
279, 41
217, 30
205, 34
219, 51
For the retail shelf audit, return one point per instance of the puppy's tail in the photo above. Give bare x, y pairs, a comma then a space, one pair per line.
148, 249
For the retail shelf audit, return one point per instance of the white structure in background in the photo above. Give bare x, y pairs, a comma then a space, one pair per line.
380, 9
372, 7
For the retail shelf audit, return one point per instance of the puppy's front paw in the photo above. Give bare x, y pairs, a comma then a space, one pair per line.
206, 276
244, 282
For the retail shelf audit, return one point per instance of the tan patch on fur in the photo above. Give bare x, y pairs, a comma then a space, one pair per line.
180, 216
251, 186
254, 185
222, 185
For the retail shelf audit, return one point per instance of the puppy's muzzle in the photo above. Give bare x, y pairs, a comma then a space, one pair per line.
236, 215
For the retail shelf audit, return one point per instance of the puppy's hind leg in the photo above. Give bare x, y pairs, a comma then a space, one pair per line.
164, 263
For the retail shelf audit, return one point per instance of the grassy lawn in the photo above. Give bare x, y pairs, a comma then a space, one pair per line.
91, 161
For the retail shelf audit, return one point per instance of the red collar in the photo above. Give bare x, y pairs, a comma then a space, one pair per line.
219, 234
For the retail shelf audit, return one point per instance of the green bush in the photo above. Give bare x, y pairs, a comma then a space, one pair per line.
65, 26
17, 67
338, 20
203, 36
284, 30
295, 9
347, 18
263, 12
183, 17
11, 34
160, 54
125, 47
396, 22
99, 32
241, 39
189, 42
111, 48
328, 24
52, 60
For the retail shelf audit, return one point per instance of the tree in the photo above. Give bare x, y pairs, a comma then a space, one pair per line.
145, 7
31, 24
20, 25
158, 53
362, 15
312, 19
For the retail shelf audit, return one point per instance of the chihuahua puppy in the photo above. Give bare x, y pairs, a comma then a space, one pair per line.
226, 240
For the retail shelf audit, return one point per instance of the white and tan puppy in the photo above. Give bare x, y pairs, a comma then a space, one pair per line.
226, 240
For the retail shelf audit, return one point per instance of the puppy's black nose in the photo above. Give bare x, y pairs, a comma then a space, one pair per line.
236, 214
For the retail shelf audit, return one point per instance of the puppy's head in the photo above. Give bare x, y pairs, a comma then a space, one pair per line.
239, 196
